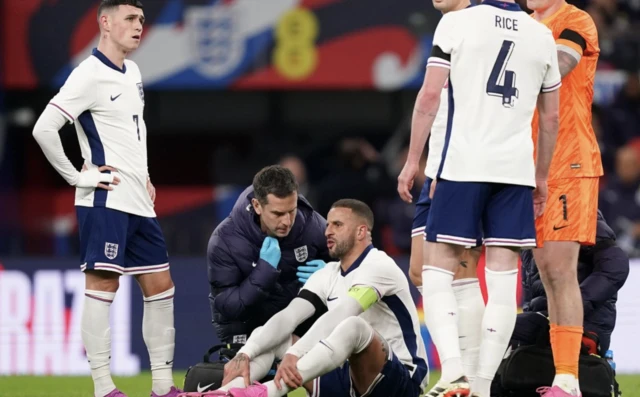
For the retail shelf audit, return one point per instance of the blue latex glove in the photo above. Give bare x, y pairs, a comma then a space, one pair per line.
270, 251
304, 272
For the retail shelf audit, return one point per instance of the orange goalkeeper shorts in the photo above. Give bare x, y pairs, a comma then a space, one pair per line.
571, 212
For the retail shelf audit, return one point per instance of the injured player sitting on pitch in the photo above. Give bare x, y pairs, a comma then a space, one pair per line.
370, 320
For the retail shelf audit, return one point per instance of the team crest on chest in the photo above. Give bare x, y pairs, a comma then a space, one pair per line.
110, 250
140, 92
301, 253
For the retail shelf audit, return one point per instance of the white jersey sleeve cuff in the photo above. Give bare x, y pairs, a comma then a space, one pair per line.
552, 87
438, 63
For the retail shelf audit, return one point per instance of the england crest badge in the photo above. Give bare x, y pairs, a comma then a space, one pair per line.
217, 37
110, 250
141, 92
301, 253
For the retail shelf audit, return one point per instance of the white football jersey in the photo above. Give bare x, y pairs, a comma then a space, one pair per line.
394, 316
500, 60
106, 105
438, 131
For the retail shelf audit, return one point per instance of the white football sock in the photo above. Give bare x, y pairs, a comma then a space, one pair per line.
497, 326
351, 336
159, 336
568, 383
96, 336
470, 313
259, 366
441, 318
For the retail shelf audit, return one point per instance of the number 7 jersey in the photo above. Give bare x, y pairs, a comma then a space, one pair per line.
106, 105
500, 60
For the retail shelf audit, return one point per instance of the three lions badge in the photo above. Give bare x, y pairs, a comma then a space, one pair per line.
301, 253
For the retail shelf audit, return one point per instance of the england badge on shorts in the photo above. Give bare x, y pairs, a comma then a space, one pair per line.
110, 250
301, 253
141, 92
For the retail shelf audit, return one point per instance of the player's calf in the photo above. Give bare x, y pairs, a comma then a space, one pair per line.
158, 329
101, 287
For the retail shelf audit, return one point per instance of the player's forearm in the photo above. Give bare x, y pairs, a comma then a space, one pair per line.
278, 328
325, 325
546, 144
46, 134
424, 114
549, 120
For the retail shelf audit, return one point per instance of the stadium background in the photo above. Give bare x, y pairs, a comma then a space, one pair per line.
324, 86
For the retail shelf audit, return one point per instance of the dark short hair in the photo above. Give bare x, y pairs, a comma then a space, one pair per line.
275, 180
108, 4
359, 208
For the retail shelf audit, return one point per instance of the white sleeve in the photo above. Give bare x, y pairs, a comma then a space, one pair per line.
76, 95
445, 41
317, 284
278, 328
552, 78
46, 134
382, 279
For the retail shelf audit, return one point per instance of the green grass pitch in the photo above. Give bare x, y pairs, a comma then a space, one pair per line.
139, 386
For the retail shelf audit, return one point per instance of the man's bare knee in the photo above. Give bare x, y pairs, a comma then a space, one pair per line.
555, 274
468, 264
100, 280
557, 262
448, 255
154, 283
501, 259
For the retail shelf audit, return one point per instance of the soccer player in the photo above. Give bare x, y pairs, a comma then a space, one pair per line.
119, 232
573, 186
487, 172
465, 281
371, 321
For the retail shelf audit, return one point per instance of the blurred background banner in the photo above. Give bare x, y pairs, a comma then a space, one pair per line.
237, 44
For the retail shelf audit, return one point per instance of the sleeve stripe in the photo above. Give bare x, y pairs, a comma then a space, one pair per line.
573, 36
439, 63
570, 48
552, 88
63, 111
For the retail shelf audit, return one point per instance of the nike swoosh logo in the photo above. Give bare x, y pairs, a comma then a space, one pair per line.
201, 389
113, 98
558, 228
332, 299
169, 362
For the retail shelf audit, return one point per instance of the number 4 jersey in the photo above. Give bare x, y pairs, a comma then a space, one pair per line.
106, 105
500, 60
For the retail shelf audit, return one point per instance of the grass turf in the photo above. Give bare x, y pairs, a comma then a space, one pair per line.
139, 386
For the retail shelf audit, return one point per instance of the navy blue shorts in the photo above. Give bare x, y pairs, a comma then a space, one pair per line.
504, 211
119, 242
394, 381
423, 206
422, 210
